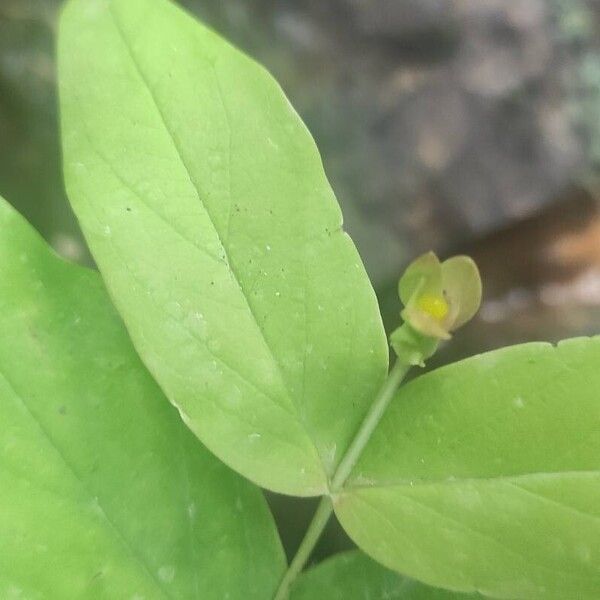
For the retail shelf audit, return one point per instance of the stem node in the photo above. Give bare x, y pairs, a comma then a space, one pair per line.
325, 508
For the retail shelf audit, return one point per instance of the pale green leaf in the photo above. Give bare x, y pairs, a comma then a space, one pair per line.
204, 202
485, 475
104, 493
354, 576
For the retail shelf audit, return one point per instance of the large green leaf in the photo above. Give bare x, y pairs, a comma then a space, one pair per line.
354, 576
485, 475
204, 202
104, 493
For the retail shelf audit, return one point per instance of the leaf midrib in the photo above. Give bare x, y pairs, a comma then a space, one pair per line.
450, 481
230, 262
154, 212
92, 498
472, 531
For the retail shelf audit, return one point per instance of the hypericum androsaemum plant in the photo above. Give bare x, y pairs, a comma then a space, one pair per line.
204, 202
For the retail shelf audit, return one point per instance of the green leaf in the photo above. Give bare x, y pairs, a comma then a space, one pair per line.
354, 576
485, 475
204, 202
104, 493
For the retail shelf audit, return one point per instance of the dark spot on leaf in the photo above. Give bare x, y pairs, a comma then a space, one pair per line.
62, 410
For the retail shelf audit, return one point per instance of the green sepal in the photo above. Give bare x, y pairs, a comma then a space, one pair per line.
411, 346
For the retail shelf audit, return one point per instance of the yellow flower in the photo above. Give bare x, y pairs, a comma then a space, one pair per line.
439, 297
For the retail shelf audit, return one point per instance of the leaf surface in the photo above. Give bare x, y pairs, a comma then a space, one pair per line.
485, 475
354, 576
104, 493
204, 202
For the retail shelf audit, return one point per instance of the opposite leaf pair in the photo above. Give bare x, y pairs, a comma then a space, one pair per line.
204, 202
104, 491
105, 494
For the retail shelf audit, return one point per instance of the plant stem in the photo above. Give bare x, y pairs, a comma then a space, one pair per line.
385, 395
325, 508
313, 533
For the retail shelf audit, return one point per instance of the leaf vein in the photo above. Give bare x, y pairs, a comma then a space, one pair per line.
118, 534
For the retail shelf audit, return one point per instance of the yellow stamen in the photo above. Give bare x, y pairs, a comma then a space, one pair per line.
433, 305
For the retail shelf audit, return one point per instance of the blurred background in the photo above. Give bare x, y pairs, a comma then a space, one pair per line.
463, 126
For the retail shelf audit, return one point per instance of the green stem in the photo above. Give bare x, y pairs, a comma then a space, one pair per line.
385, 395
313, 533
325, 508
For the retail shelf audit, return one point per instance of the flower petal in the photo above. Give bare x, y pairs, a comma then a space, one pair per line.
462, 285
422, 276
